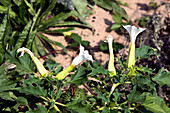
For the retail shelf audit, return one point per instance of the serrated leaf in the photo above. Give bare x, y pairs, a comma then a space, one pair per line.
162, 78
30, 89
101, 96
5, 83
155, 105
99, 70
23, 64
39, 109
22, 101
136, 95
77, 106
144, 52
79, 75
8, 96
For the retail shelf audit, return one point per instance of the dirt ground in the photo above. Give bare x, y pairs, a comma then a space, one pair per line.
102, 21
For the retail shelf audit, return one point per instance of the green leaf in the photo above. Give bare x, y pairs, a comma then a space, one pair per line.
49, 9
17, 2
22, 101
30, 89
52, 21
85, 43
31, 10
115, 26
5, 83
72, 23
39, 109
77, 106
136, 95
39, 47
144, 52
117, 9
59, 30
8, 96
101, 96
105, 110
76, 37
116, 46
79, 76
98, 70
24, 64
162, 78
23, 36
156, 105
106, 4
122, 2
50, 41
80, 6
2, 34
117, 18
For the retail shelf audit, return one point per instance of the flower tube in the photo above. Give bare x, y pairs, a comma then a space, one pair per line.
83, 55
133, 32
40, 67
111, 66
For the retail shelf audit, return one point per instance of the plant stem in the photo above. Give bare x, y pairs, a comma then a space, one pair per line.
90, 91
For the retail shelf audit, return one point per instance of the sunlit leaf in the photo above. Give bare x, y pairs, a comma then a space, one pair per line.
2, 34
156, 105
162, 78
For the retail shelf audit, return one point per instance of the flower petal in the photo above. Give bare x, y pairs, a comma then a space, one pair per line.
133, 32
23, 50
83, 55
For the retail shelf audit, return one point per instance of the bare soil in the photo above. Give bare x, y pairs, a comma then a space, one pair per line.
102, 21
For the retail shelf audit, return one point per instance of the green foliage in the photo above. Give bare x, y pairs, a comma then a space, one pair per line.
3, 27
24, 23
156, 105
118, 12
145, 51
116, 46
162, 78
28, 20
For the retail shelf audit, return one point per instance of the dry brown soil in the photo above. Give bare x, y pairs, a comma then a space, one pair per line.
102, 20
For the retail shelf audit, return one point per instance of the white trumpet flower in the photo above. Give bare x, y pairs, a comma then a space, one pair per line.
83, 55
133, 32
111, 66
40, 67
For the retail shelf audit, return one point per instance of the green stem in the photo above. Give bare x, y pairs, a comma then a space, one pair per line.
90, 91
60, 104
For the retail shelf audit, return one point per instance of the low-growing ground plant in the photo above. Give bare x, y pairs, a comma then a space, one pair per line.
127, 85
89, 88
